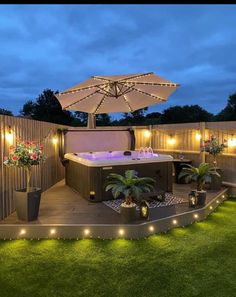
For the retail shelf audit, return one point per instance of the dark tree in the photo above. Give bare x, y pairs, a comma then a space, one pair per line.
185, 114
103, 119
5, 112
136, 117
47, 108
229, 112
153, 118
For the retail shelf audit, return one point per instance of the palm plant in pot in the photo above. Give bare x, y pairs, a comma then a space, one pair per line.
200, 175
25, 155
130, 186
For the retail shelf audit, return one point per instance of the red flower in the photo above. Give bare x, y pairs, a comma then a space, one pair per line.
15, 158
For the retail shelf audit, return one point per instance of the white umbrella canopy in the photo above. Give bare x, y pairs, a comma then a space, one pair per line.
117, 93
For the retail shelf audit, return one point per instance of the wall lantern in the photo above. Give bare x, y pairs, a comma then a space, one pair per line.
192, 199
147, 133
171, 140
9, 135
55, 139
144, 210
232, 141
92, 195
198, 136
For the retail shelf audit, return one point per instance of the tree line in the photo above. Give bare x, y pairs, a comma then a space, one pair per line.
47, 108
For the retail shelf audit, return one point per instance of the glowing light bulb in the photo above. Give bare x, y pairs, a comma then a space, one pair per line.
121, 231
211, 207
22, 231
174, 222
196, 216
52, 231
151, 228
147, 133
86, 231
171, 140
198, 136
54, 140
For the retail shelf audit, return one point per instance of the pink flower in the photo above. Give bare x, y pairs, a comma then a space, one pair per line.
34, 157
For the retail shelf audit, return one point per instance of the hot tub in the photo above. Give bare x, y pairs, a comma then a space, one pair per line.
86, 172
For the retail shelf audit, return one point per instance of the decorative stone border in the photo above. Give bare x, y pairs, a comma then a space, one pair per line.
110, 231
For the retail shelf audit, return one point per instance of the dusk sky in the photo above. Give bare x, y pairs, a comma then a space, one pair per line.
57, 46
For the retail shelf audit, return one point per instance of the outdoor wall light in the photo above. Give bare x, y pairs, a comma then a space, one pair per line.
9, 135
171, 140
121, 231
55, 140
92, 195
174, 222
151, 228
144, 210
232, 141
147, 133
53, 231
86, 231
192, 199
198, 136
22, 231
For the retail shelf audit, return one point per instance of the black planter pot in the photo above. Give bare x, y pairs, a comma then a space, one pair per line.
201, 198
128, 214
216, 181
27, 203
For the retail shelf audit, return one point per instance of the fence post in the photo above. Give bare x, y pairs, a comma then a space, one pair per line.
202, 156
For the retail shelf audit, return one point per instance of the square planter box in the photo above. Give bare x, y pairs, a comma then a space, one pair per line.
27, 203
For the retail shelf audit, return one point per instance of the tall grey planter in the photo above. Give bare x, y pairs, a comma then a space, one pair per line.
216, 181
27, 203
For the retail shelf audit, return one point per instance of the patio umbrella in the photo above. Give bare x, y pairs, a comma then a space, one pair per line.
116, 93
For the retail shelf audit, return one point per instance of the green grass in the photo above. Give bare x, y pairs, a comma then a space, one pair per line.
199, 260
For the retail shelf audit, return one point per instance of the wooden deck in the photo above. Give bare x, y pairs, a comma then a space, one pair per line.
61, 205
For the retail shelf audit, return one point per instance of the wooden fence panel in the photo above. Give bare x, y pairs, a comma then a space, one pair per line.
44, 176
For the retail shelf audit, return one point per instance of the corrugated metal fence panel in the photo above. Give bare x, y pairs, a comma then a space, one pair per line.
44, 176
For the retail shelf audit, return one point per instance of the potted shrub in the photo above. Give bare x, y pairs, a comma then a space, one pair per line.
130, 186
27, 200
214, 148
200, 175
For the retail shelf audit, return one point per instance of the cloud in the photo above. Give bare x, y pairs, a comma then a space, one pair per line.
57, 46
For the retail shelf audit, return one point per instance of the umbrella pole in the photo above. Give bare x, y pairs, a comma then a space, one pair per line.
91, 121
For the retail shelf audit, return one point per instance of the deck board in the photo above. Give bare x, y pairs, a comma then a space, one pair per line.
61, 205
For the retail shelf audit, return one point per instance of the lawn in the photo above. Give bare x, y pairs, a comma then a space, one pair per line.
199, 260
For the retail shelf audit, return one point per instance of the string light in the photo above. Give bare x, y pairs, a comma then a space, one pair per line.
171, 140
232, 141
211, 207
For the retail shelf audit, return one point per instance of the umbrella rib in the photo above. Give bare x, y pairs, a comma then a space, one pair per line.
78, 90
137, 76
155, 84
127, 102
150, 95
100, 104
102, 78
82, 99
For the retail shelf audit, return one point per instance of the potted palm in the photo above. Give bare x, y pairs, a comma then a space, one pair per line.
214, 148
130, 186
200, 175
27, 200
